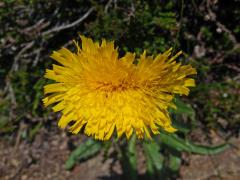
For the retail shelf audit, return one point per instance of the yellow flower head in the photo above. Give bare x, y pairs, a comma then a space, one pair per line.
99, 92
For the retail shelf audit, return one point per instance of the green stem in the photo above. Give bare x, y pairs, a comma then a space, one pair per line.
129, 159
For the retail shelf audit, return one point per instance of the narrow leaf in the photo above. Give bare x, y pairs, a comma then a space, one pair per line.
174, 162
180, 144
82, 152
129, 159
183, 108
154, 158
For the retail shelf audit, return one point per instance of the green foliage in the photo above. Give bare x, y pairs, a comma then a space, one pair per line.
174, 162
84, 151
151, 24
6, 126
38, 88
179, 144
129, 159
154, 159
33, 131
167, 163
219, 100
166, 20
183, 108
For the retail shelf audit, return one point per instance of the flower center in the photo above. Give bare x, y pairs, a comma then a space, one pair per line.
114, 86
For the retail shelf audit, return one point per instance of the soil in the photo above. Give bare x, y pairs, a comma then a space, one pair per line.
44, 159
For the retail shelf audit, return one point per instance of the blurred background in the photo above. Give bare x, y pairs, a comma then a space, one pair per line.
208, 31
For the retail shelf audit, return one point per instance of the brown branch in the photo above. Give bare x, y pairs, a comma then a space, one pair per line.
17, 57
107, 6
36, 28
213, 18
63, 27
225, 29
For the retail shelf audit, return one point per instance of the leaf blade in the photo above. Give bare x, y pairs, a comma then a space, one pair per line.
179, 144
82, 152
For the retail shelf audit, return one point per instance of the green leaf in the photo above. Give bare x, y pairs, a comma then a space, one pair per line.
34, 131
154, 158
83, 152
174, 162
129, 159
183, 108
132, 152
175, 142
106, 146
3, 121
166, 20
153, 154
172, 165
181, 127
38, 95
5, 126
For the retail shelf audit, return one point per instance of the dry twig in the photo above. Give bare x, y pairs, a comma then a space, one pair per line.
64, 27
212, 17
17, 57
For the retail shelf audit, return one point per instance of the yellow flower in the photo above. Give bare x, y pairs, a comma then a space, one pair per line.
99, 92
